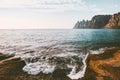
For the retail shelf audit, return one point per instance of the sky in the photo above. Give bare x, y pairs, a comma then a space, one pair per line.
49, 14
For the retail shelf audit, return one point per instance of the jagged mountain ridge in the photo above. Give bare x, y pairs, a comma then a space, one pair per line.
100, 21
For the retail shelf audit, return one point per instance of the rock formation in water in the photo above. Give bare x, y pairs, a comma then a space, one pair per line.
100, 21
114, 22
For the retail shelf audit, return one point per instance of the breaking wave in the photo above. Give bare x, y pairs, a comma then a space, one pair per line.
73, 63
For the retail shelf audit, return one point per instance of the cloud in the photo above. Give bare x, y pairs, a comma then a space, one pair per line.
38, 3
54, 5
94, 8
44, 4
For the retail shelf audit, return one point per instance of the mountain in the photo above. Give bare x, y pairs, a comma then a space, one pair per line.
100, 21
114, 21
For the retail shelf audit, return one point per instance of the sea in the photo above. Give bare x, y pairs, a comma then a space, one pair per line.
46, 50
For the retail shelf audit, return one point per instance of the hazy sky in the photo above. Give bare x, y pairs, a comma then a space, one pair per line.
21, 14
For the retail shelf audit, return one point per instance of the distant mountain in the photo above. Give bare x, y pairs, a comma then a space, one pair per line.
114, 22
100, 21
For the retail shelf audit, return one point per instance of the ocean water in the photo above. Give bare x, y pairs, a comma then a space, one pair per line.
48, 50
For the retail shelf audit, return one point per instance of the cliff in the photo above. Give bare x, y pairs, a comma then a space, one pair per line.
100, 21
114, 22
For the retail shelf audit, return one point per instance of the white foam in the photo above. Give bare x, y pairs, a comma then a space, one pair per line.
37, 67
65, 54
99, 51
73, 75
49, 69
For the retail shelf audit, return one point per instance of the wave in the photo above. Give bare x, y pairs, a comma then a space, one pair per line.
48, 64
48, 59
37, 67
73, 75
75, 62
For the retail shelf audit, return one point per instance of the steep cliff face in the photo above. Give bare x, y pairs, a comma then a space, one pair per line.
114, 22
98, 21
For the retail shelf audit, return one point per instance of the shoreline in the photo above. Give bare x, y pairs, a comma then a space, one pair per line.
99, 67
105, 66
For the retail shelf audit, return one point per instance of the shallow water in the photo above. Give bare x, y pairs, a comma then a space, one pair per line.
47, 50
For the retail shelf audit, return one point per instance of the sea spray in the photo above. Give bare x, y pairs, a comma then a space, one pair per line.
37, 63
73, 75
37, 67
51, 63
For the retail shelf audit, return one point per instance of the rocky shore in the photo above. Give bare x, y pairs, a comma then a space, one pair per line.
11, 69
104, 66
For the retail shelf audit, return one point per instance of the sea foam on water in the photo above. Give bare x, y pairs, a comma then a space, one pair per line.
37, 67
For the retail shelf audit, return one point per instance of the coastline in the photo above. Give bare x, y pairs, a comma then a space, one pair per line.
11, 69
105, 66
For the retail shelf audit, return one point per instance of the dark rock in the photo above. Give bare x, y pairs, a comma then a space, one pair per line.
11, 69
100, 21
29, 52
58, 73
5, 56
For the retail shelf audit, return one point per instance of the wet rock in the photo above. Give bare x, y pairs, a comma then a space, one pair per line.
104, 66
5, 56
11, 69
59, 73
29, 52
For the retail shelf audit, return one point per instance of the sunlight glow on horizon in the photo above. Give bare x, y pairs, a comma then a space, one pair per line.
51, 14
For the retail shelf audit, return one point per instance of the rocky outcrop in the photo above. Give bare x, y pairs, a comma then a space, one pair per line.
83, 24
105, 66
100, 21
11, 69
114, 22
